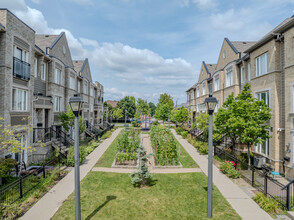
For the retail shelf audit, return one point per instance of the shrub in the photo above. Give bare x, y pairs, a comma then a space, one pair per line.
266, 203
11, 211
244, 157
179, 130
228, 168
135, 123
106, 135
6, 166
184, 134
70, 159
155, 123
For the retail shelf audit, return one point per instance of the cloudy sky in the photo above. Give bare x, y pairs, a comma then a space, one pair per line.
147, 47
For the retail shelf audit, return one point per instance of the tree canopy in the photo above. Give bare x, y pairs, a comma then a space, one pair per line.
129, 104
180, 115
152, 107
143, 107
164, 107
118, 113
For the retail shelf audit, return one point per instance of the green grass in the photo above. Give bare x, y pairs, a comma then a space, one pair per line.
186, 159
108, 157
173, 196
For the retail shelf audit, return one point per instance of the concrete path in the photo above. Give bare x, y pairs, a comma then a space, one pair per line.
124, 170
238, 199
48, 205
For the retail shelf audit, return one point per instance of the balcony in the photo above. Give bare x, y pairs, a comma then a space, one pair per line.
21, 69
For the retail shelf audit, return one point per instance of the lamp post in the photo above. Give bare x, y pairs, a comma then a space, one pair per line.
76, 104
210, 105
126, 117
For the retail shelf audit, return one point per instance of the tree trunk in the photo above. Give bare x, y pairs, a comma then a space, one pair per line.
249, 162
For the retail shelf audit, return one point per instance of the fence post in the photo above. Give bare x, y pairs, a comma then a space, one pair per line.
265, 184
288, 198
44, 171
252, 176
20, 187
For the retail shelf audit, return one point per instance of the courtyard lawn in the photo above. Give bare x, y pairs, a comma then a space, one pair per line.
172, 196
186, 160
109, 155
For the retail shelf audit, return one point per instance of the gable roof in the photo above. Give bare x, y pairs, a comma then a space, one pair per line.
44, 40
242, 46
78, 64
288, 22
210, 68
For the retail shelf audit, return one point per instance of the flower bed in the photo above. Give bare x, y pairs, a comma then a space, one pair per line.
230, 168
165, 147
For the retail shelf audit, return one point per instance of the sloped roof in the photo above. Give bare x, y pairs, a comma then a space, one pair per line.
242, 46
112, 103
78, 64
211, 67
2, 27
270, 35
43, 40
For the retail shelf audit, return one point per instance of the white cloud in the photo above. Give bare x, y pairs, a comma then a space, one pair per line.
13, 5
81, 2
205, 4
139, 71
226, 21
36, 1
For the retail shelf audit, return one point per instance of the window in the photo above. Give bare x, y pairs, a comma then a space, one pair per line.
21, 54
216, 83
35, 67
43, 71
91, 107
263, 96
57, 104
229, 78
72, 82
86, 87
197, 91
242, 78
19, 99
204, 88
262, 64
91, 91
79, 86
249, 71
263, 148
57, 76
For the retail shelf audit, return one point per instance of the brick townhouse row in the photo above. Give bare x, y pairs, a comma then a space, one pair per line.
268, 65
37, 78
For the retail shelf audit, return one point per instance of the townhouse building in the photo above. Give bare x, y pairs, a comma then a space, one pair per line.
269, 67
38, 76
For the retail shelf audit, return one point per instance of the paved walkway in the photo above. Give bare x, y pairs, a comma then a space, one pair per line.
48, 205
238, 199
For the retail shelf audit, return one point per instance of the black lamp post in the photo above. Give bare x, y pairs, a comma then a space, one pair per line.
210, 105
76, 104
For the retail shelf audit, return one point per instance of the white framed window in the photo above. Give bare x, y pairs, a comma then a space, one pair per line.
229, 78
57, 76
43, 71
263, 96
216, 83
242, 74
91, 107
197, 92
263, 148
86, 87
35, 67
72, 82
249, 72
20, 54
57, 104
19, 99
204, 88
261, 64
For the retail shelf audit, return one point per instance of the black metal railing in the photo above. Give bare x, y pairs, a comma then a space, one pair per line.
95, 131
260, 179
42, 135
21, 69
58, 134
26, 183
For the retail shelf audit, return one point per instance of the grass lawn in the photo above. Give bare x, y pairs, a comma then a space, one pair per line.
109, 155
186, 159
173, 196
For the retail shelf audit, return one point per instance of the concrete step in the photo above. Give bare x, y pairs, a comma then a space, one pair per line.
290, 214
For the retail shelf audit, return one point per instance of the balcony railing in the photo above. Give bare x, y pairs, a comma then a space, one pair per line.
21, 69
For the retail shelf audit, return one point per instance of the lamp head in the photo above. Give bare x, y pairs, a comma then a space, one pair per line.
76, 104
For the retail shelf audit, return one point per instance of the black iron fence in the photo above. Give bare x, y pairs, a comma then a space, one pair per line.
26, 182
260, 180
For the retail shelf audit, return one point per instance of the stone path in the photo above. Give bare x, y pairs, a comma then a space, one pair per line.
48, 205
238, 199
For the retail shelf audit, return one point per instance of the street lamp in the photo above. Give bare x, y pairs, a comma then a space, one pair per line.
126, 117
210, 105
76, 104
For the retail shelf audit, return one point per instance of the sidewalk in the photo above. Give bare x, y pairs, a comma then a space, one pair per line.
48, 205
238, 199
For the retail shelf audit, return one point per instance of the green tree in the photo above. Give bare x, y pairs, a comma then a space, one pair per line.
143, 107
117, 113
201, 124
182, 115
152, 107
128, 103
248, 119
164, 107
67, 120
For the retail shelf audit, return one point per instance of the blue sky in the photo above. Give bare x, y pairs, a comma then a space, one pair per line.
147, 47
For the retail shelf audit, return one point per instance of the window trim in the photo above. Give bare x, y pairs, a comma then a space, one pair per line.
204, 90
59, 78
24, 102
242, 74
215, 78
43, 71
57, 108
249, 72
232, 81
268, 90
258, 67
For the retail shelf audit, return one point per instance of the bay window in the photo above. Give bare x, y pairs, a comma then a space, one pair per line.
229, 78
216, 83
204, 88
